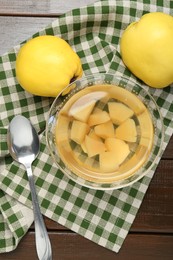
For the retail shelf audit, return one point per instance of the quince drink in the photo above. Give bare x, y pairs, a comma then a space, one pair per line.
104, 133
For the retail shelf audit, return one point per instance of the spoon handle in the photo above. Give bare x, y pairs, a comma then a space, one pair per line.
43, 245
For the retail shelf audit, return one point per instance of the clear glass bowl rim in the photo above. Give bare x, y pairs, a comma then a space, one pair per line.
100, 77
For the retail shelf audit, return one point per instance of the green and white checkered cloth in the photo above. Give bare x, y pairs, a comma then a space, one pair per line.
104, 217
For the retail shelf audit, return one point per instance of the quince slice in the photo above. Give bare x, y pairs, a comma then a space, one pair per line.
61, 130
82, 113
78, 131
105, 130
93, 135
125, 96
108, 161
146, 125
62, 133
119, 112
83, 107
119, 147
98, 117
127, 131
93, 146
136, 161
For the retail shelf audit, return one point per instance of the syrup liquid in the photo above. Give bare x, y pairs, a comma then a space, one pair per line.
72, 154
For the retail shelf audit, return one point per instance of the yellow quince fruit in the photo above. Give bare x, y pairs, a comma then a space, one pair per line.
46, 64
147, 49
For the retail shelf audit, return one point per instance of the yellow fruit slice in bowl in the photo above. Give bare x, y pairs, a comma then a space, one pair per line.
127, 131
98, 117
82, 108
108, 161
78, 131
119, 112
119, 148
146, 125
126, 96
93, 146
105, 130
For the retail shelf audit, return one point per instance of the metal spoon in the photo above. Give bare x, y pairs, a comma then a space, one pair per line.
23, 143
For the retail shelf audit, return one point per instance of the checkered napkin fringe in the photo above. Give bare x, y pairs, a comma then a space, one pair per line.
103, 217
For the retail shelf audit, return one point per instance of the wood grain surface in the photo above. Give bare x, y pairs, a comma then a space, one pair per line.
71, 246
14, 30
151, 235
40, 7
20, 19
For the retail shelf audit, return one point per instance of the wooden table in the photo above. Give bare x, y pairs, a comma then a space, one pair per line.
151, 236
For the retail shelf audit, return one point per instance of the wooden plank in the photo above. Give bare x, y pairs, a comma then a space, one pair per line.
156, 212
71, 246
168, 154
14, 30
40, 7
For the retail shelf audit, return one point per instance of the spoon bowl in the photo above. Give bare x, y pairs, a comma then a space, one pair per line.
23, 143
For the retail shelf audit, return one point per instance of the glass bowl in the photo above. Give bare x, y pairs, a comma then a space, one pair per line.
105, 133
